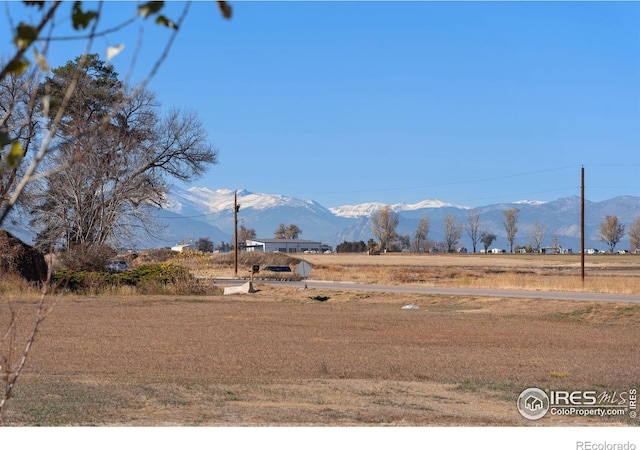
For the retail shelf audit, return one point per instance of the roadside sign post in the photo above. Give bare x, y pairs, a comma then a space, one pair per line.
304, 269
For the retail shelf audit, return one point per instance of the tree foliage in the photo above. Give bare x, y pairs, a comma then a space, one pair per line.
204, 245
112, 172
383, 226
28, 127
29, 118
611, 231
487, 239
351, 247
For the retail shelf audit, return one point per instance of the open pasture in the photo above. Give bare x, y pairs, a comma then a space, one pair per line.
278, 357
618, 274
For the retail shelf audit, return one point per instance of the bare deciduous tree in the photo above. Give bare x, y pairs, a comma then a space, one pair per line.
30, 122
420, 237
510, 221
634, 236
280, 232
452, 232
538, 232
383, 226
113, 175
611, 231
245, 234
18, 123
27, 127
473, 228
290, 231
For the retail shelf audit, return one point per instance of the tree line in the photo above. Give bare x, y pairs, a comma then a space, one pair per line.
384, 223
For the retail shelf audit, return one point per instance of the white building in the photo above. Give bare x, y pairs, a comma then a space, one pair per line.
283, 245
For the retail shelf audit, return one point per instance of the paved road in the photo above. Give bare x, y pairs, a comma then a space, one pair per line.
506, 293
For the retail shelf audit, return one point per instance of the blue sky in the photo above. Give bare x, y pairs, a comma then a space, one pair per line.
471, 103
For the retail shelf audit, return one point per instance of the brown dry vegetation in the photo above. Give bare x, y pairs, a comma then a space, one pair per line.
615, 274
278, 357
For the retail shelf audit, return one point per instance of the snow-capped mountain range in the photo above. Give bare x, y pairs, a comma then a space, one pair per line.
197, 212
201, 212
222, 200
367, 209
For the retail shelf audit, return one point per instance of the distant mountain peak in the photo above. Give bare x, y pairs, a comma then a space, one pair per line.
219, 200
367, 209
529, 202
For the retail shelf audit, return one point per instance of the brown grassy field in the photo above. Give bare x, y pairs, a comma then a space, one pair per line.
619, 274
278, 357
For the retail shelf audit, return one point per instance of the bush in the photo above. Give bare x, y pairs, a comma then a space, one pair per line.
81, 281
87, 257
148, 279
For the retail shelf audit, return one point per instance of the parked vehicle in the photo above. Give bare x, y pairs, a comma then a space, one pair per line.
277, 268
117, 265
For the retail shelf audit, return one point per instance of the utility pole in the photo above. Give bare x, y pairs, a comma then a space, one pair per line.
236, 208
582, 226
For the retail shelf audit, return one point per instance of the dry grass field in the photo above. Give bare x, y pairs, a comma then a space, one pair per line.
619, 274
279, 357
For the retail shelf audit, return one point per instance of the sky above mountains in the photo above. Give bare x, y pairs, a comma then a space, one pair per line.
349, 102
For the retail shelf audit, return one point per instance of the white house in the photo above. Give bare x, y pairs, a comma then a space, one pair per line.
283, 245
181, 247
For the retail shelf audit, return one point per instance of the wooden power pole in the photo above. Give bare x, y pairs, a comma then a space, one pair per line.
582, 226
236, 208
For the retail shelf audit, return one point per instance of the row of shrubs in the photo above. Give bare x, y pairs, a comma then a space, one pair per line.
146, 279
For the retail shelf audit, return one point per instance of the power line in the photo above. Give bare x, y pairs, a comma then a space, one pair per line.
451, 183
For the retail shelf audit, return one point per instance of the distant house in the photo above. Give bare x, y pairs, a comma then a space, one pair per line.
180, 247
283, 245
